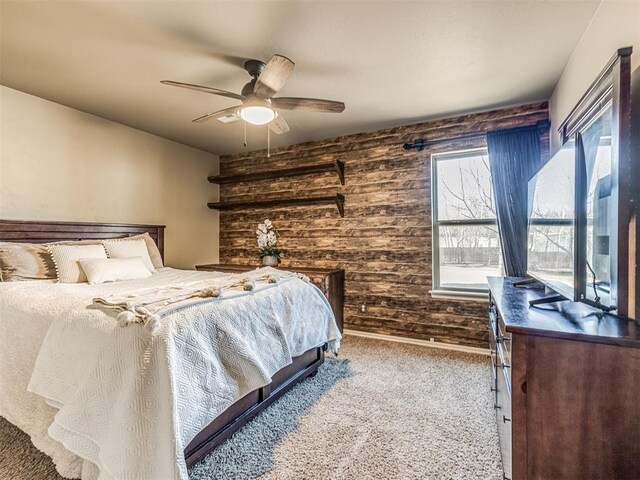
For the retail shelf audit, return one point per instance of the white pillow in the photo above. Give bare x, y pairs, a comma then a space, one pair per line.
66, 257
129, 249
102, 270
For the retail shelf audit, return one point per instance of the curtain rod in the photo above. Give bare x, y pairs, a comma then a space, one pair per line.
420, 144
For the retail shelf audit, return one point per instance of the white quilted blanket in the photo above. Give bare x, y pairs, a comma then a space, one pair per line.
129, 402
148, 305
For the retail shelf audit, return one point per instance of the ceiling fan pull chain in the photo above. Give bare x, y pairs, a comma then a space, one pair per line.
268, 142
245, 134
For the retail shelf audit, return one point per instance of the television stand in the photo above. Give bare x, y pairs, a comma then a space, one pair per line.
526, 281
543, 300
592, 303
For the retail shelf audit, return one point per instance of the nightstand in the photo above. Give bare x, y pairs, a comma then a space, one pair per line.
330, 282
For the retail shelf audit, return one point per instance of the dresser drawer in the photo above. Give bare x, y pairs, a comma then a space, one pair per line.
499, 343
503, 420
493, 317
503, 365
493, 349
503, 353
504, 338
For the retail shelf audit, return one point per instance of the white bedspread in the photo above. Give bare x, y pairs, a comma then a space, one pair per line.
130, 402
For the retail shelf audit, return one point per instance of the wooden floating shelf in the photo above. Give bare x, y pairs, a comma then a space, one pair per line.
338, 199
337, 166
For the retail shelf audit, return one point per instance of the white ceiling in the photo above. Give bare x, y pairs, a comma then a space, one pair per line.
392, 63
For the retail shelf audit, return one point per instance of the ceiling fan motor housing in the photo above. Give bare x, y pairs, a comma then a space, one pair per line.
254, 67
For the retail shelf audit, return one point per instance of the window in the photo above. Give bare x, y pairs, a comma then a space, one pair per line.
466, 245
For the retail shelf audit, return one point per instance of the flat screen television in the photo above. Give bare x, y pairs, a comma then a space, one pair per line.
553, 238
569, 244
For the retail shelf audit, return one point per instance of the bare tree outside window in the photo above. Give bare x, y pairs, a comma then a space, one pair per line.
466, 241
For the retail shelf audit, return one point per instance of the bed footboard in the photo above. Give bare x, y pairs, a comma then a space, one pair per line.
241, 412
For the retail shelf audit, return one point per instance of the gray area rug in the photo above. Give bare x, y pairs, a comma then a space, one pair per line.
382, 410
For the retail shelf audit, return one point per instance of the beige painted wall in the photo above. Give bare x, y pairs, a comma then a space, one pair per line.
615, 24
57, 163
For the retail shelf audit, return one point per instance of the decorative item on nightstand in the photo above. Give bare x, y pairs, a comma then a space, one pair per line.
267, 239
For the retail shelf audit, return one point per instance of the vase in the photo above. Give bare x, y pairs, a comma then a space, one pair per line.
270, 261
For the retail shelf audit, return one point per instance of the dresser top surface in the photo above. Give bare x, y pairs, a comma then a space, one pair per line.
569, 320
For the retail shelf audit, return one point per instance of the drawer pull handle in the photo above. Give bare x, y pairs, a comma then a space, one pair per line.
497, 407
505, 419
494, 389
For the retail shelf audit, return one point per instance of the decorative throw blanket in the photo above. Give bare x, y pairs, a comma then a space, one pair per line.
129, 402
149, 305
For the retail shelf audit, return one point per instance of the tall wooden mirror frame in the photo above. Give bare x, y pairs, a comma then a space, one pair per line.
614, 84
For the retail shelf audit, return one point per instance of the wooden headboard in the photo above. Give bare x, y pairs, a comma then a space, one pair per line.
44, 232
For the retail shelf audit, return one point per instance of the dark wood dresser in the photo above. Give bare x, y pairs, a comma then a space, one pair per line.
566, 379
330, 282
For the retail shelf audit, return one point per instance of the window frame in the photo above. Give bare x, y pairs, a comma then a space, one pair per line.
459, 291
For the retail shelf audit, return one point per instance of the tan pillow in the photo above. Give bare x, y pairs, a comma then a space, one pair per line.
66, 259
25, 261
126, 248
154, 253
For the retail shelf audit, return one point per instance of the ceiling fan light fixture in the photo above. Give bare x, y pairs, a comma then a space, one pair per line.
257, 114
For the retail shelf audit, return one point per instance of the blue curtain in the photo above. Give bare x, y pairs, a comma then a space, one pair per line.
514, 157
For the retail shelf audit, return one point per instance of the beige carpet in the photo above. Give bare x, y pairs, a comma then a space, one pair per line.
383, 410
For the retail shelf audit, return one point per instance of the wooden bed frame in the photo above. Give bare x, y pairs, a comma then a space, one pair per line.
238, 414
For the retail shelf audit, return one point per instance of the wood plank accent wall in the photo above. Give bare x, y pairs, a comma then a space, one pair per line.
384, 240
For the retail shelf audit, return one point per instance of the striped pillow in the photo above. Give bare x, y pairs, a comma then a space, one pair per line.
65, 258
25, 261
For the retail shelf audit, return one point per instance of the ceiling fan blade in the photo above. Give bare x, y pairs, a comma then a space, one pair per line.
309, 104
231, 111
200, 88
278, 125
273, 76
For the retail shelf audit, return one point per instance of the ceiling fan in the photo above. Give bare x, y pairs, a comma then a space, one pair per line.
258, 105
